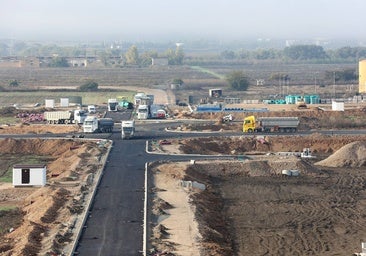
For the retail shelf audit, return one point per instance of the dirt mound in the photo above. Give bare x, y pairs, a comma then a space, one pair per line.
38, 129
238, 145
350, 155
45, 226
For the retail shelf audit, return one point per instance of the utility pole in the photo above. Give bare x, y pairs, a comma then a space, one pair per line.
334, 81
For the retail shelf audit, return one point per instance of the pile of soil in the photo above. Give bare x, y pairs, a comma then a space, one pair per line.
38, 129
350, 155
47, 220
248, 208
239, 145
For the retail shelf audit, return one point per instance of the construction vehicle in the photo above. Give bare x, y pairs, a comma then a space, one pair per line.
65, 117
113, 105
93, 124
270, 124
227, 118
301, 104
127, 129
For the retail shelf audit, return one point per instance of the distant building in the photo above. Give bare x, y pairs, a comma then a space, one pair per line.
362, 76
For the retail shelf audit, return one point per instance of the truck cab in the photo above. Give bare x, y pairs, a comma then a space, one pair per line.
79, 116
90, 124
92, 109
249, 124
127, 129
112, 105
142, 112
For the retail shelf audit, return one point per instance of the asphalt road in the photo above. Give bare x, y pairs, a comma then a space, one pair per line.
115, 223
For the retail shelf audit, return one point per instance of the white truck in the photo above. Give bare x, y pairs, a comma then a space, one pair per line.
92, 109
65, 117
143, 112
127, 129
112, 105
93, 124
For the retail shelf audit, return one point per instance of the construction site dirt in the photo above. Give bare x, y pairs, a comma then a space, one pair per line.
244, 206
252, 207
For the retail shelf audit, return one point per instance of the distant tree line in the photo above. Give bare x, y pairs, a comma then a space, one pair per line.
132, 54
299, 53
113, 56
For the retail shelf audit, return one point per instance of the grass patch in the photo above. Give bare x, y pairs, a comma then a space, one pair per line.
7, 162
208, 71
10, 217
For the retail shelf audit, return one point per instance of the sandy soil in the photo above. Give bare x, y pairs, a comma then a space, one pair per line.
250, 208
38, 129
246, 208
48, 215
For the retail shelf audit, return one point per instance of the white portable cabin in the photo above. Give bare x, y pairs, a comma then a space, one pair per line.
64, 102
49, 103
29, 175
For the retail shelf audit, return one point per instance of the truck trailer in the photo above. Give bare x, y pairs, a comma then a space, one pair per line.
127, 129
65, 117
157, 112
270, 124
93, 124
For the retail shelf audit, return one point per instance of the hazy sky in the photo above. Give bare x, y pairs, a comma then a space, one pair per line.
154, 19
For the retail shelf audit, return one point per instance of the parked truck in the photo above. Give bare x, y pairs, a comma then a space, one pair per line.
93, 124
92, 109
156, 111
127, 129
65, 117
270, 124
143, 112
112, 105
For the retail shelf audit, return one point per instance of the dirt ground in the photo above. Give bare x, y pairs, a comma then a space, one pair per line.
238, 207
248, 207
43, 220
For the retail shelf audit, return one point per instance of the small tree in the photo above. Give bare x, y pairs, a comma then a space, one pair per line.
90, 86
14, 83
238, 80
132, 55
178, 81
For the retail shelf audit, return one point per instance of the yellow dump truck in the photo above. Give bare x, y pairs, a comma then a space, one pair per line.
270, 124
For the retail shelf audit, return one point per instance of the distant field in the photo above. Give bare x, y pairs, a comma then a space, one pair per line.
303, 78
32, 97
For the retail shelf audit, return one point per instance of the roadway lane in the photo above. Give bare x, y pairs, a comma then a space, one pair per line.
116, 218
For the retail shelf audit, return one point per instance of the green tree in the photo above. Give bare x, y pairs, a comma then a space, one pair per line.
228, 55
59, 62
90, 86
132, 55
14, 83
175, 57
238, 80
179, 55
305, 52
177, 81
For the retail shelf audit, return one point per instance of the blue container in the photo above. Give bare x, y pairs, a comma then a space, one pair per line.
314, 99
307, 99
